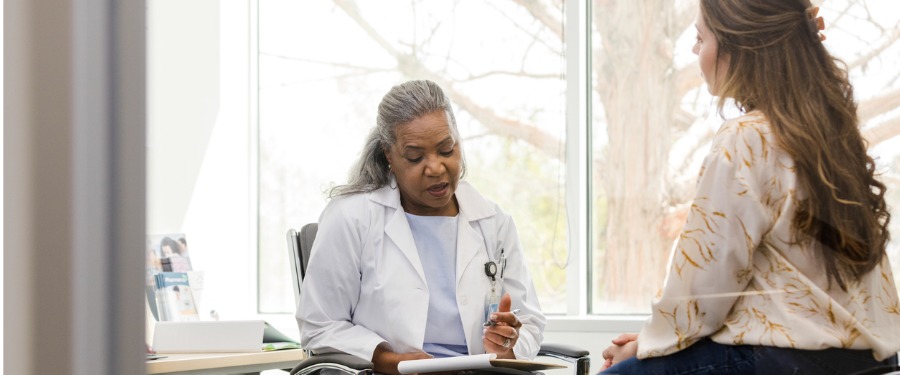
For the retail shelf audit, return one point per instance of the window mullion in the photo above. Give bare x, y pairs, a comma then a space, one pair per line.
577, 162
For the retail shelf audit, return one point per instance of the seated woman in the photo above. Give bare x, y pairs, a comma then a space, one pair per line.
401, 262
781, 266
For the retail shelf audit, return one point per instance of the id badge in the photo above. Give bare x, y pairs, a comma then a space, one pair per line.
491, 305
492, 300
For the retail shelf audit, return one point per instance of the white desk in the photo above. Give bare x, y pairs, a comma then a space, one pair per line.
224, 363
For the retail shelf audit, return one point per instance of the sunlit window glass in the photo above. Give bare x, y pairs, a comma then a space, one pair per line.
323, 67
653, 121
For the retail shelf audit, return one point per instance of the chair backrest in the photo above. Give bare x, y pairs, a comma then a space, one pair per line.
299, 247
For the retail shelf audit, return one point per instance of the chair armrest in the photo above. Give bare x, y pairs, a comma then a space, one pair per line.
347, 363
570, 351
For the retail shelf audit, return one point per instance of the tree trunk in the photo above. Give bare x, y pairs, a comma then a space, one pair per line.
635, 82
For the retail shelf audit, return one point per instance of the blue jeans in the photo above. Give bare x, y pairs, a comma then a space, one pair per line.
708, 357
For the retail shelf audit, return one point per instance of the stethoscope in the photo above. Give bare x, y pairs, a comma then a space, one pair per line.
491, 269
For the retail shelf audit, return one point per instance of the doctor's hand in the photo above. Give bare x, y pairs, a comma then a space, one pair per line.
501, 337
385, 361
623, 347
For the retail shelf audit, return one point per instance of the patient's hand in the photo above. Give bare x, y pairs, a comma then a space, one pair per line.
623, 347
386, 361
501, 337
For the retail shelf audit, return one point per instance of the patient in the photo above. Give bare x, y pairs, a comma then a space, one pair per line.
399, 269
781, 266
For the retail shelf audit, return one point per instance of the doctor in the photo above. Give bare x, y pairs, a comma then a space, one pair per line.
408, 258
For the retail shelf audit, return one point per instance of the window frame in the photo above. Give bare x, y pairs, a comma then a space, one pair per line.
578, 154
578, 316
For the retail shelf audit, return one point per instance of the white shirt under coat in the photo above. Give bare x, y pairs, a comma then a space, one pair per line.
365, 283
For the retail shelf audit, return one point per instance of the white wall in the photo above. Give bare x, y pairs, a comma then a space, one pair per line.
198, 155
182, 103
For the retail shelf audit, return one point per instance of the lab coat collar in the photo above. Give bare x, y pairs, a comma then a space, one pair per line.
396, 227
472, 205
387, 195
469, 241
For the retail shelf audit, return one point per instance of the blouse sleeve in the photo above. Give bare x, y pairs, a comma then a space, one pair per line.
710, 264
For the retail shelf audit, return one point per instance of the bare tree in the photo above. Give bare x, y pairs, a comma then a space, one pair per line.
642, 92
637, 87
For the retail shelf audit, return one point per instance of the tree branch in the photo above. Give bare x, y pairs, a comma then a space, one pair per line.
475, 77
535, 37
882, 132
349, 7
411, 66
541, 13
687, 79
883, 103
683, 19
875, 52
321, 62
682, 120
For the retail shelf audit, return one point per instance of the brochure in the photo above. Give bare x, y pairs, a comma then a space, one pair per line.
174, 298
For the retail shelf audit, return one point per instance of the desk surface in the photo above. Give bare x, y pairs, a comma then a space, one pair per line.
222, 363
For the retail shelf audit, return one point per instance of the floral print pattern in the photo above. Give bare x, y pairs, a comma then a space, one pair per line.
737, 276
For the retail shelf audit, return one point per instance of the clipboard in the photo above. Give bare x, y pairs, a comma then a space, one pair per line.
472, 362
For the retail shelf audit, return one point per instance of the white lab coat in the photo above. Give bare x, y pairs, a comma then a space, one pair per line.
365, 285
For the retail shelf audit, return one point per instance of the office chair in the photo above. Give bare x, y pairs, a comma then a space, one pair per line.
300, 245
880, 370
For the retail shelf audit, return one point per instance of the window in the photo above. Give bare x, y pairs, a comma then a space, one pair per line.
323, 68
653, 120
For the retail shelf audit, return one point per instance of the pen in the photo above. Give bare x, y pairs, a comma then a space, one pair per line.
502, 263
492, 323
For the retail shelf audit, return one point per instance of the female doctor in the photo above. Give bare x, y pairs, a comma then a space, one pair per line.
408, 259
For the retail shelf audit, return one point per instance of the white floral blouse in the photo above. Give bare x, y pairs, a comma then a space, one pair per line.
735, 277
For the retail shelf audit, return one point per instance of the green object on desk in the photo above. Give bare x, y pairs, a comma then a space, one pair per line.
270, 334
273, 339
269, 346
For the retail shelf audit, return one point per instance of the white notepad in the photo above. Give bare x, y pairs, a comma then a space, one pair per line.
209, 337
471, 362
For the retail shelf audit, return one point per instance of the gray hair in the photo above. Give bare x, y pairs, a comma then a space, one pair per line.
404, 103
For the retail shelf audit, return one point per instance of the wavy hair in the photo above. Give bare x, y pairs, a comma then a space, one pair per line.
402, 104
779, 66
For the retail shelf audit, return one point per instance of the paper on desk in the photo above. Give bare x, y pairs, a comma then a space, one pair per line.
466, 362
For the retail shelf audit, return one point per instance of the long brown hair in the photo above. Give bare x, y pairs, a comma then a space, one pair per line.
779, 66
